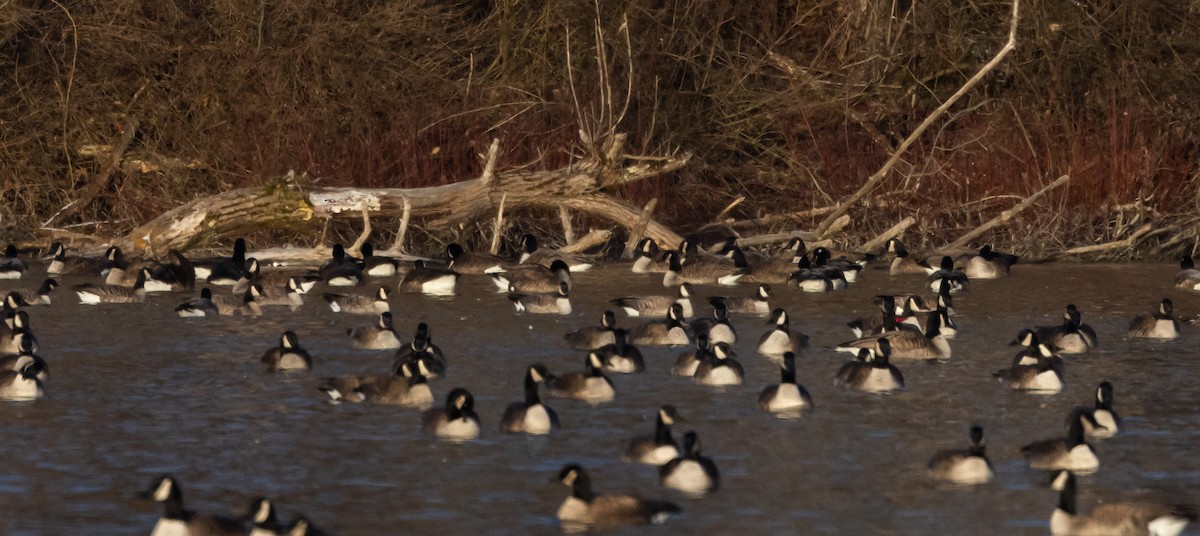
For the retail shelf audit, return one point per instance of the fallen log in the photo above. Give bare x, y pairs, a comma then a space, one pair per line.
1125, 243
1005, 216
578, 186
893, 232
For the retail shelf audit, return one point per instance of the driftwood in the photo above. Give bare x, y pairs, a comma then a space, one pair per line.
97, 186
564, 215
1005, 216
498, 226
775, 238
823, 229
579, 187
893, 232
639, 228
765, 221
1124, 243
593, 238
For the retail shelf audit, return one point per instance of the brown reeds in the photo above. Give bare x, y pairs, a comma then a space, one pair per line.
791, 105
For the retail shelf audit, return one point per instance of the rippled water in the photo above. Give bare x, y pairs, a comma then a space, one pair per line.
135, 391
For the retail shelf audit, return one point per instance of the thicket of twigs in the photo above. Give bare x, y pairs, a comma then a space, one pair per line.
788, 103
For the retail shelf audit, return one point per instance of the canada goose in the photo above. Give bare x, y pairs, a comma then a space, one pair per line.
787, 395
1071, 453
263, 520
690, 253
422, 345
178, 521
223, 270
456, 421
946, 326
963, 466
1028, 340
288, 355
408, 388
355, 304
657, 448
377, 265
699, 273
246, 304
816, 279
903, 262
12, 267
1117, 518
686, 362
648, 259
543, 302
24, 355
620, 356
341, 270
198, 307
252, 274
301, 526
1102, 414
866, 326
757, 304
1070, 337
41, 296
289, 294
378, 336
534, 278
14, 330
158, 277
591, 386
668, 332
530, 254
180, 275
61, 264
592, 337
1044, 376
760, 270
584, 508
792, 250
473, 262
717, 327
989, 264
852, 369
906, 344
657, 305
946, 271
871, 372
429, 280
22, 385
691, 473
780, 339
1157, 324
1188, 277
730, 249
823, 258
530, 416
720, 368
92, 294
276, 282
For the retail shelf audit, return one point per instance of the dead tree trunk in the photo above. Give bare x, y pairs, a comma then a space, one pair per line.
579, 187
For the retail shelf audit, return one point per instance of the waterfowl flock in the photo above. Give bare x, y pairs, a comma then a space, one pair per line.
673, 314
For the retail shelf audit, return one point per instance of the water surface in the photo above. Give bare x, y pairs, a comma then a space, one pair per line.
135, 391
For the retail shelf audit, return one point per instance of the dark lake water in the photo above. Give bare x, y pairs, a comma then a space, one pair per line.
135, 391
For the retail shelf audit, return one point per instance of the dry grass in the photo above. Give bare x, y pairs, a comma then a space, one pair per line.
791, 104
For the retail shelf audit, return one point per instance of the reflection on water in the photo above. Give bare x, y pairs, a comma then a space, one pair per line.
136, 392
